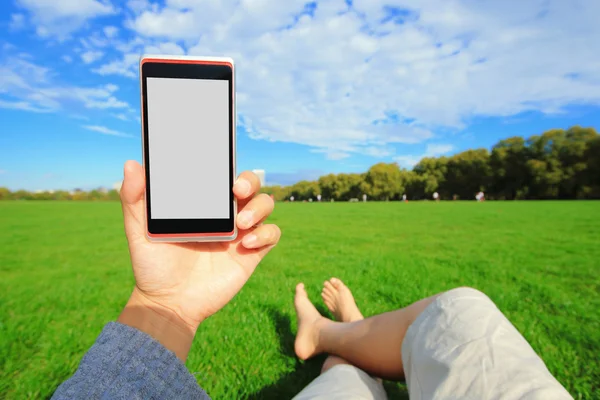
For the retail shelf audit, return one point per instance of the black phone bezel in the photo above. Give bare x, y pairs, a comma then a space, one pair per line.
185, 69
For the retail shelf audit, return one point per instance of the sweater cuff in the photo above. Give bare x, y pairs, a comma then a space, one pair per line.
128, 363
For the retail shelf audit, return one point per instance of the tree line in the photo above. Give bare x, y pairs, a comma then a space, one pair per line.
76, 195
558, 164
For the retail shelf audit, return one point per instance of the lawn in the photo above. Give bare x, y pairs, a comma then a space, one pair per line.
65, 272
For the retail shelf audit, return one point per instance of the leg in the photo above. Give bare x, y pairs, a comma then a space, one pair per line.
373, 344
340, 379
332, 361
461, 346
339, 300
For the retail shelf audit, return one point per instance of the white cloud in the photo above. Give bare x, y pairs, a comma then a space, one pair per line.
18, 73
127, 66
28, 86
165, 48
90, 56
121, 116
323, 80
2, 171
60, 18
6, 46
67, 59
22, 105
362, 79
137, 6
17, 22
377, 152
105, 131
111, 87
438, 149
432, 150
110, 31
181, 24
94, 41
331, 154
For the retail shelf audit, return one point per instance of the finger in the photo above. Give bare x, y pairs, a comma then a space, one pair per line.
257, 209
132, 199
263, 236
246, 185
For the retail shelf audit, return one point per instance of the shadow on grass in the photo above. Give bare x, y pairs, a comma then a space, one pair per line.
292, 383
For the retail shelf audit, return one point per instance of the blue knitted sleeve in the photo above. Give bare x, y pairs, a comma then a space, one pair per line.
126, 363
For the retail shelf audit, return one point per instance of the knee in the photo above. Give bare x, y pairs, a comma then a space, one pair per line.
331, 362
469, 291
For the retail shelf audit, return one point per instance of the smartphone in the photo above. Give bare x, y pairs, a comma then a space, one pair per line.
188, 146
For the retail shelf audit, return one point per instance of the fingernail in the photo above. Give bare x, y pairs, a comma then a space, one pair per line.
250, 240
245, 219
242, 186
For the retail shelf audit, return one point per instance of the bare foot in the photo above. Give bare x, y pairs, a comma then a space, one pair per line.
339, 300
309, 320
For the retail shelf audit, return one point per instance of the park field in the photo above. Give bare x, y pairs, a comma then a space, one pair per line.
65, 272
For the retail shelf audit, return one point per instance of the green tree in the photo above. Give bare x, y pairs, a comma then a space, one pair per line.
279, 193
349, 186
328, 186
592, 175
305, 190
433, 174
508, 164
61, 195
113, 195
22, 195
384, 182
5, 194
544, 166
573, 157
94, 195
466, 174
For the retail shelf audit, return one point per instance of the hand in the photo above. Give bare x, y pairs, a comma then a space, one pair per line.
185, 283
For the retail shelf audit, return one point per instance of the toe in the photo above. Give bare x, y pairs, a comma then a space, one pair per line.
327, 296
330, 306
329, 287
300, 291
338, 284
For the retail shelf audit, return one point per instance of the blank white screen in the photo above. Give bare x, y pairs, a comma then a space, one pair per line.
188, 138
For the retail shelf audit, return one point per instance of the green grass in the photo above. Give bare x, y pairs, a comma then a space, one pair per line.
65, 272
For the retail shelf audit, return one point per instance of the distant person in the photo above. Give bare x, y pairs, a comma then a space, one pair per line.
364, 197
404, 198
455, 344
292, 199
318, 197
436, 196
480, 196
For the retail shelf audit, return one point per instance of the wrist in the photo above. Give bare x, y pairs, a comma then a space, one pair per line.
160, 322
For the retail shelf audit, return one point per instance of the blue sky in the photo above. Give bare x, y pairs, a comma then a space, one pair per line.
327, 86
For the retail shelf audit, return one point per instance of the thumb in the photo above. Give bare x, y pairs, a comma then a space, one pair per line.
132, 199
